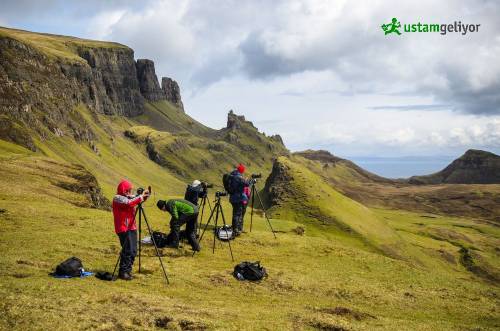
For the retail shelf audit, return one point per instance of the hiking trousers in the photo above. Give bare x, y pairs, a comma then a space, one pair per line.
128, 241
175, 228
237, 221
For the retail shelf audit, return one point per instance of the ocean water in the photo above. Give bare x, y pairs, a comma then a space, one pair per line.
402, 167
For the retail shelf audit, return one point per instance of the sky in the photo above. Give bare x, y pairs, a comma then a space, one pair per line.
322, 74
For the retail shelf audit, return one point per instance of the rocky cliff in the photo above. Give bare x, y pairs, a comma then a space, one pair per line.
44, 77
148, 82
172, 91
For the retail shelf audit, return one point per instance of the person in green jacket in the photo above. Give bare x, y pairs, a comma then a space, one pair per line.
183, 212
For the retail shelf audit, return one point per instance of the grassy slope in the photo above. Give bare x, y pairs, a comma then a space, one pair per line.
468, 200
56, 46
192, 150
310, 275
164, 116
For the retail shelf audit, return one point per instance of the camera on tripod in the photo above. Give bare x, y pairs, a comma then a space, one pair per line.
220, 194
140, 190
206, 185
255, 176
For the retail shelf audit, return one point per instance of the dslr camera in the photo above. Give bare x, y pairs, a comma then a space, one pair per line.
140, 190
220, 194
206, 185
255, 176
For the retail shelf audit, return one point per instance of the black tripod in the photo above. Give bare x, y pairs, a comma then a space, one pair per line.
140, 211
216, 211
253, 193
203, 202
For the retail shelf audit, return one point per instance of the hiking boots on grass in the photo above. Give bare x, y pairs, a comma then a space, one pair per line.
125, 276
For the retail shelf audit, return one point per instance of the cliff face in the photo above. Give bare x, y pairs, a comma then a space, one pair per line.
172, 91
40, 86
148, 82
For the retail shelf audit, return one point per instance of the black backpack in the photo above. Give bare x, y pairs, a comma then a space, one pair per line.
72, 267
251, 271
227, 182
160, 239
192, 194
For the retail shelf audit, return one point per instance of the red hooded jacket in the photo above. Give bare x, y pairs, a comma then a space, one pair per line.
124, 208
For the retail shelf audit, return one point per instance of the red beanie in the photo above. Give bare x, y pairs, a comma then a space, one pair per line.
123, 187
241, 168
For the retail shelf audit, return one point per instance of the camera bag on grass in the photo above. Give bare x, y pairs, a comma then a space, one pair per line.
251, 271
160, 239
224, 233
72, 267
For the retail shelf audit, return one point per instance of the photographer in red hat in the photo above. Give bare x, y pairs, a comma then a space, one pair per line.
125, 227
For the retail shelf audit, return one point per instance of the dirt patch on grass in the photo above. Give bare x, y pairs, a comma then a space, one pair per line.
346, 312
190, 325
219, 279
163, 322
326, 326
39, 264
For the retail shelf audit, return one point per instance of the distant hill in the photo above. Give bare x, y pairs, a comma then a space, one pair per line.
474, 167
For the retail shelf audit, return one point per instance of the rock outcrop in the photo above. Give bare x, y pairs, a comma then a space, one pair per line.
40, 87
474, 167
148, 82
172, 91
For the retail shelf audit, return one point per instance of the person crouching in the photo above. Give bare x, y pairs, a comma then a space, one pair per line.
182, 212
125, 227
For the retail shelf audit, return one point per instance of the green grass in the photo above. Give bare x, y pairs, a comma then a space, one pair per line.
309, 276
56, 46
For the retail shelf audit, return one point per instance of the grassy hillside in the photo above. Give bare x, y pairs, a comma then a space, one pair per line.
191, 150
314, 282
57, 46
348, 254
471, 200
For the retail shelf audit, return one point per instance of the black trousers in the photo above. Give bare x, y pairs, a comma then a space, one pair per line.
191, 225
237, 222
128, 241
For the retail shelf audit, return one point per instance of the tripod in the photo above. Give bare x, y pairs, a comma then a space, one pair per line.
216, 211
204, 200
141, 212
253, 193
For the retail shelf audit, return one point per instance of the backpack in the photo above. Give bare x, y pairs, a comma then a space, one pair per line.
251, 271
192, 194
160, 239
72, 267
227, 180
224, 233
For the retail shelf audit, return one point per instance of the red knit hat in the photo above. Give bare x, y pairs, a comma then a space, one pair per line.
123, 187
241, 168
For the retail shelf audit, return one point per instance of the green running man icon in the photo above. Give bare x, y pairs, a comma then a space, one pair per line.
392, 27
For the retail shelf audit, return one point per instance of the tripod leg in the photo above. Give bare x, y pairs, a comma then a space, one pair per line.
139, 210
116, 266
154, 244
203, 202
209, 205
253, 200
229, 241
205, 228
217, 207
267, 218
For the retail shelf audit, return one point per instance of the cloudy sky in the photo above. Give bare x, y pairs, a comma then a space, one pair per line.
320, 73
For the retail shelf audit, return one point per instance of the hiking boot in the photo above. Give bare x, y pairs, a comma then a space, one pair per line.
195, 245
125, 276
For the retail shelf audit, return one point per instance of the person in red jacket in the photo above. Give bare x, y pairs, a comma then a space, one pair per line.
125, 227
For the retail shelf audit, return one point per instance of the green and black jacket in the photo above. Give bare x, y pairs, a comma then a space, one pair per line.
179, 207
